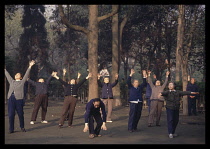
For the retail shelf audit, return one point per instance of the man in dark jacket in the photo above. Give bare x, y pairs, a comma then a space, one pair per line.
173, 98
135, 99
41, 98
70, 100
92, 112
192, 99
107, 95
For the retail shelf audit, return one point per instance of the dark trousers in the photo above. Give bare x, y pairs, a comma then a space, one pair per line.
40, 100
15, 105
98, 119
172, 120
192, 106
69, 104
134, 115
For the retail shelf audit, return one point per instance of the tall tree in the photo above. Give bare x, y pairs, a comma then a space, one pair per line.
180, 38
92, 35
188, 33
115, 55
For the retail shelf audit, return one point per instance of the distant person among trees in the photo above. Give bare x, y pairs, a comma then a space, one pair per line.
41, 98
70, 100
173, 98
15, 97
92, 112
192, 86
135, 99
156, 102
106, 93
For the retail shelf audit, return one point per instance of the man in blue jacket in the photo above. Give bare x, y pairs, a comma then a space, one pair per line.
135, 99
107, 95
192, 98
92, 112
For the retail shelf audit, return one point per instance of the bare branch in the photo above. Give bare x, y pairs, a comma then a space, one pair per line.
65, 21
109, 14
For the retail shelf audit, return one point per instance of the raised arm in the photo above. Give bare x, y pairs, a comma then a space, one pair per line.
31, 63
9, 78
166, 80
150, 80
99, 82
129, 78
116, 80
144, 84
81, 82
50, 77
62, 82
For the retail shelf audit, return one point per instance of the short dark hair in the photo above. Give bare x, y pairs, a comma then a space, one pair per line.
96, 100
173, 83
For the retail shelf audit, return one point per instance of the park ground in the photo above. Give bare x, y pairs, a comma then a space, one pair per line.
190, 130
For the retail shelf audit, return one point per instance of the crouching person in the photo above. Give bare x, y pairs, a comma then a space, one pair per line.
93, 112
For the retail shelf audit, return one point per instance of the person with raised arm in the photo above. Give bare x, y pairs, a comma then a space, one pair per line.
156, 102
15, 97
41, 98
70, 100
107, 95
135, 100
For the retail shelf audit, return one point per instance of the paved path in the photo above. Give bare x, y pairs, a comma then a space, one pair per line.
191, 129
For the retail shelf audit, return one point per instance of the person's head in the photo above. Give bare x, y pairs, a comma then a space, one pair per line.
192, 81
72, 81
41, 80
157, 83
106, 80
96, 102
171, 86
135, 83
18, 76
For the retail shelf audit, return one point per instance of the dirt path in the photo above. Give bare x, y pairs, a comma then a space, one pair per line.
191, 129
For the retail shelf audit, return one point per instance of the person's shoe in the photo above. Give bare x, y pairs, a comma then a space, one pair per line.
149, 125
170, 136
23, 129
44, 122
109, 121
97, 135
71, 126
91, 136
32, 122
11, 132
175, 135
158, 125
60, 126
130, 131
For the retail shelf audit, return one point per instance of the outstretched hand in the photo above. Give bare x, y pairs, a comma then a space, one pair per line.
89, 76
167, 73
116, 76
103, 127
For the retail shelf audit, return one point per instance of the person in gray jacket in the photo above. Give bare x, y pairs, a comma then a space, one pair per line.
15, 97
156, 102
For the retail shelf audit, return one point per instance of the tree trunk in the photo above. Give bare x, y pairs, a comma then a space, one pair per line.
93, 51
5, 89
115, 57
184, 84
180, 38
